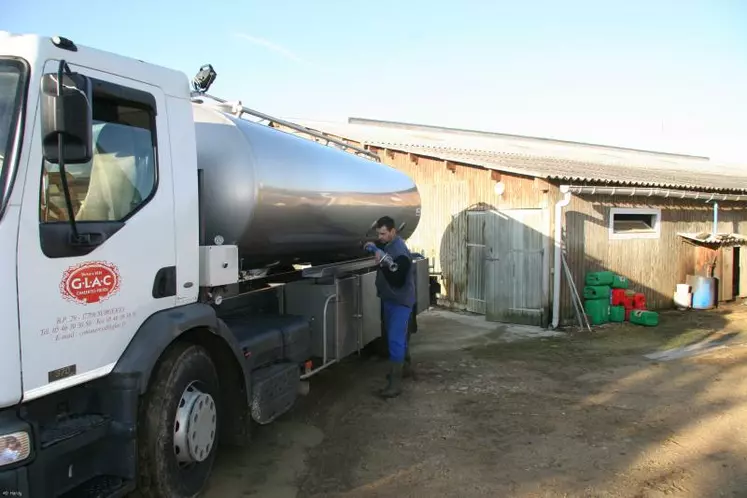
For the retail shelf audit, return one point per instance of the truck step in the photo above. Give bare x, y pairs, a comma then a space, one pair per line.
102, 487
72, 427
274, 391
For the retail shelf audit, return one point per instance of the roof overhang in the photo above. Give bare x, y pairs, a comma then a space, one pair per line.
653, 192
715, 241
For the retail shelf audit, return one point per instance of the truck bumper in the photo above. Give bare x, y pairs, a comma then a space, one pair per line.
71, 459
14, 479
14, 482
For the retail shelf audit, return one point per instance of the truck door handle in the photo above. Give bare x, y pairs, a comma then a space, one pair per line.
88, 239
164, 285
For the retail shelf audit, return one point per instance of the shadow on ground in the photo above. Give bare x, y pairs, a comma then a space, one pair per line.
498, 411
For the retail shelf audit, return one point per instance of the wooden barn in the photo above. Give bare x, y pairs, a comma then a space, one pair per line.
501, 212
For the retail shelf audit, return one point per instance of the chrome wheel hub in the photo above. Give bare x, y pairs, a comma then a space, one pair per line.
194, 426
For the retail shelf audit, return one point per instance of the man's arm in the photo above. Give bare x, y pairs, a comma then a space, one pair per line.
397, 278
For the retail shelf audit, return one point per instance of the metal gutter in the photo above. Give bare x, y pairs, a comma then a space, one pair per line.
657, 192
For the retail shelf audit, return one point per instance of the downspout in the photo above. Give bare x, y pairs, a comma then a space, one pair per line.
557, 270
715, 218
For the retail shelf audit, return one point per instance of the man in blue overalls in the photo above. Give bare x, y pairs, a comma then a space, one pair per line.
397, 292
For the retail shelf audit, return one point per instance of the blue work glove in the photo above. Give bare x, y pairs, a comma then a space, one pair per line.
381, 257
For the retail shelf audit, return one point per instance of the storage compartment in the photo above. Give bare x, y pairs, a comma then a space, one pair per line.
219, 265
263, 348
296, 339
266, 339
370, 308
344, 309
422, 285
318, 303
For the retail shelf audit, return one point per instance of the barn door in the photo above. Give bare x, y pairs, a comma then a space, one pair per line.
517, 280
726, 282
476, 261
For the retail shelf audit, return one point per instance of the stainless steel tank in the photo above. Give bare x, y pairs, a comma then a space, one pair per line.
284, 199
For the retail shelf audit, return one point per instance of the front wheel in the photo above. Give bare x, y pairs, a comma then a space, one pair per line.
178, 424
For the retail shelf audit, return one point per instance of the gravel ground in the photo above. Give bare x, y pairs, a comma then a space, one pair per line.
509, 412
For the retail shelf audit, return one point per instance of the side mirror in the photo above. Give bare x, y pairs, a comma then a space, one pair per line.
66, 117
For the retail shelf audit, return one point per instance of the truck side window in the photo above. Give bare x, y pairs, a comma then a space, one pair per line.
120, 178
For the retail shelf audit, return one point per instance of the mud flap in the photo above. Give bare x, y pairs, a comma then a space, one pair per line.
274, 391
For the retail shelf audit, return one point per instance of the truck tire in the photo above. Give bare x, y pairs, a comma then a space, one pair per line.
178, 424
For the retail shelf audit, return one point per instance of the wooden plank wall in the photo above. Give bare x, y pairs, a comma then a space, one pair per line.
653, 266
448, 191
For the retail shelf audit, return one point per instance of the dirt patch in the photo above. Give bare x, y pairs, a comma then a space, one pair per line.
583, 415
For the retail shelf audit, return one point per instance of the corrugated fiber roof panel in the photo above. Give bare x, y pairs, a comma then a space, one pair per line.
572, 163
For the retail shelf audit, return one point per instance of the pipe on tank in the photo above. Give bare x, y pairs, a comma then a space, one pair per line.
558, 253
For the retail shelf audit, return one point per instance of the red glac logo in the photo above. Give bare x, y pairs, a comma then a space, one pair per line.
90, 282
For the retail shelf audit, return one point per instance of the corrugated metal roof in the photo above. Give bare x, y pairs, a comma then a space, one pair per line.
716, 240
568, 162
575, 172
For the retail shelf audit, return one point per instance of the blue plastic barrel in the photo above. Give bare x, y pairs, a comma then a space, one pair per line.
704, 291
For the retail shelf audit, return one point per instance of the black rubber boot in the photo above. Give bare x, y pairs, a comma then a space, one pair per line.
394, 388
407, 369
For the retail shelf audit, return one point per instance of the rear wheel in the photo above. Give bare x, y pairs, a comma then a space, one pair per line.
178, 424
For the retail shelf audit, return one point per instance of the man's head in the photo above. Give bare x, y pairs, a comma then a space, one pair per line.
385, 229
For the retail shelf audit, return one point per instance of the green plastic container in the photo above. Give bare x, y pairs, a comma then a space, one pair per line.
600, 278
598, 311
619, 282
617, 313
644, 317
597, 292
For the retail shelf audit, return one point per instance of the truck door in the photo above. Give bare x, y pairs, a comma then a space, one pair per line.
80, 306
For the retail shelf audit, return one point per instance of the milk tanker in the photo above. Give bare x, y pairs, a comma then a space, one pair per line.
284, 199
143, 331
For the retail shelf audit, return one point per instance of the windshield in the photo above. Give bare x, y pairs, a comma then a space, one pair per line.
12, 75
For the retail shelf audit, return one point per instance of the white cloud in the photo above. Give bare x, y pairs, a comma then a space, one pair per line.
272, 46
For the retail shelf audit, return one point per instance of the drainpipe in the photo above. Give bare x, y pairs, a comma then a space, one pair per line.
715, 218
565, 190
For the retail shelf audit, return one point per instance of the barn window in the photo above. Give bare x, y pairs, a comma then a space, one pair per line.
635, 223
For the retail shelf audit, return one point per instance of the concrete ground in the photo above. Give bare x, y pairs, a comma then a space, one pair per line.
504, 411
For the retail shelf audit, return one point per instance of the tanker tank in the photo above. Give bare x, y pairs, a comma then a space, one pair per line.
284, 199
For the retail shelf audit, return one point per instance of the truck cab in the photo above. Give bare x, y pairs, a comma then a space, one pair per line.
133, 345
94, 249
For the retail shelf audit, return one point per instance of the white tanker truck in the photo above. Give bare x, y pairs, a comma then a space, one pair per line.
173, 271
